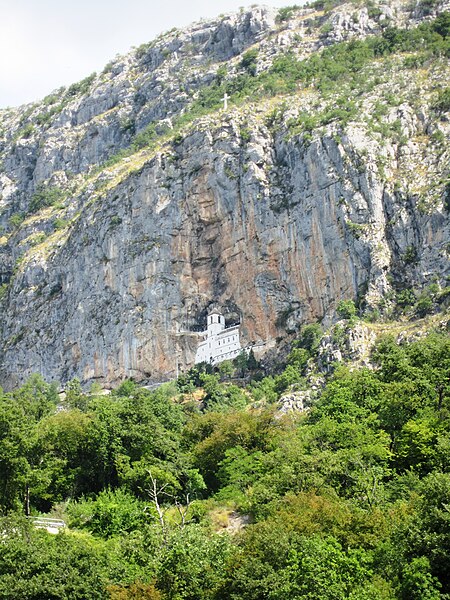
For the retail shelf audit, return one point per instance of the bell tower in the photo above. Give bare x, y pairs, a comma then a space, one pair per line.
215, 323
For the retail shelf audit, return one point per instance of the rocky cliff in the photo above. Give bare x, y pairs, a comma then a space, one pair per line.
132, 201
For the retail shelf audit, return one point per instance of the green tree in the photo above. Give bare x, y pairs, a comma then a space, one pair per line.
16, 441
226, 369
74, 395
36, 397
309, 338
308, 574
429, 536
241, 363
212, 434
416, 446
249, 61
417, 582
35, 565
192, 565
112, 513
346, 309
66, 458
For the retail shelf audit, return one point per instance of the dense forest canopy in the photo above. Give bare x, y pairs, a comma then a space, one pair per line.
202, 489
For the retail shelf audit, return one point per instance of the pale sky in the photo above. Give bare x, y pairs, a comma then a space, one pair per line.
45, 44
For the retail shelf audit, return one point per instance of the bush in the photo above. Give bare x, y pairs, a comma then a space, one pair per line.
298, 358
44, 196
346, 309
60, 224
310, 336
82, 87
35, 565
26, 132
424, 305
442, 103
410, 257
406, 298
285, 13
135, 591
111, 513
264, 390
441, 25
447, 197
248, 61
16, 220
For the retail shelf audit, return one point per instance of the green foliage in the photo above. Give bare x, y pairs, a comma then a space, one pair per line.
307, 573
446, 196
441, 25
82, 87
346, 309
112, 513
309, 338
221, 398
285, 13
339, 336
34, 565
405, 298
326, 29
3, 290
291, 377
417, 581
442, 103
226, 369
51, 99
410, 256
60, 224
275, 562
16, 220
187, 382
265, 390
245, 362
25, 133
135, 591
126, 388
348, 500
222, 73
144, 138
213, 434
249, 61
74, 395
192, 565
44, 196
424, 305
418, 303
298, 358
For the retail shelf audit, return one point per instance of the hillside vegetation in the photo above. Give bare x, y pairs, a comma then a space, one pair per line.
203, 489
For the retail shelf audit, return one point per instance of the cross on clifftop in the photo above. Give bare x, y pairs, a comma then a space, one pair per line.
225, 101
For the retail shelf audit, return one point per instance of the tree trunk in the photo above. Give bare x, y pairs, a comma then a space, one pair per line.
27, 500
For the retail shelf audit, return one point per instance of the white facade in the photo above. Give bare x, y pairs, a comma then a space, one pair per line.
218, 343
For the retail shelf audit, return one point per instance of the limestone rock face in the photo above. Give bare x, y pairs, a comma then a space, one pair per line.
356, 345
273, 226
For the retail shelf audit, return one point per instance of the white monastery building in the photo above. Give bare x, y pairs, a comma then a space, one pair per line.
219, 343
